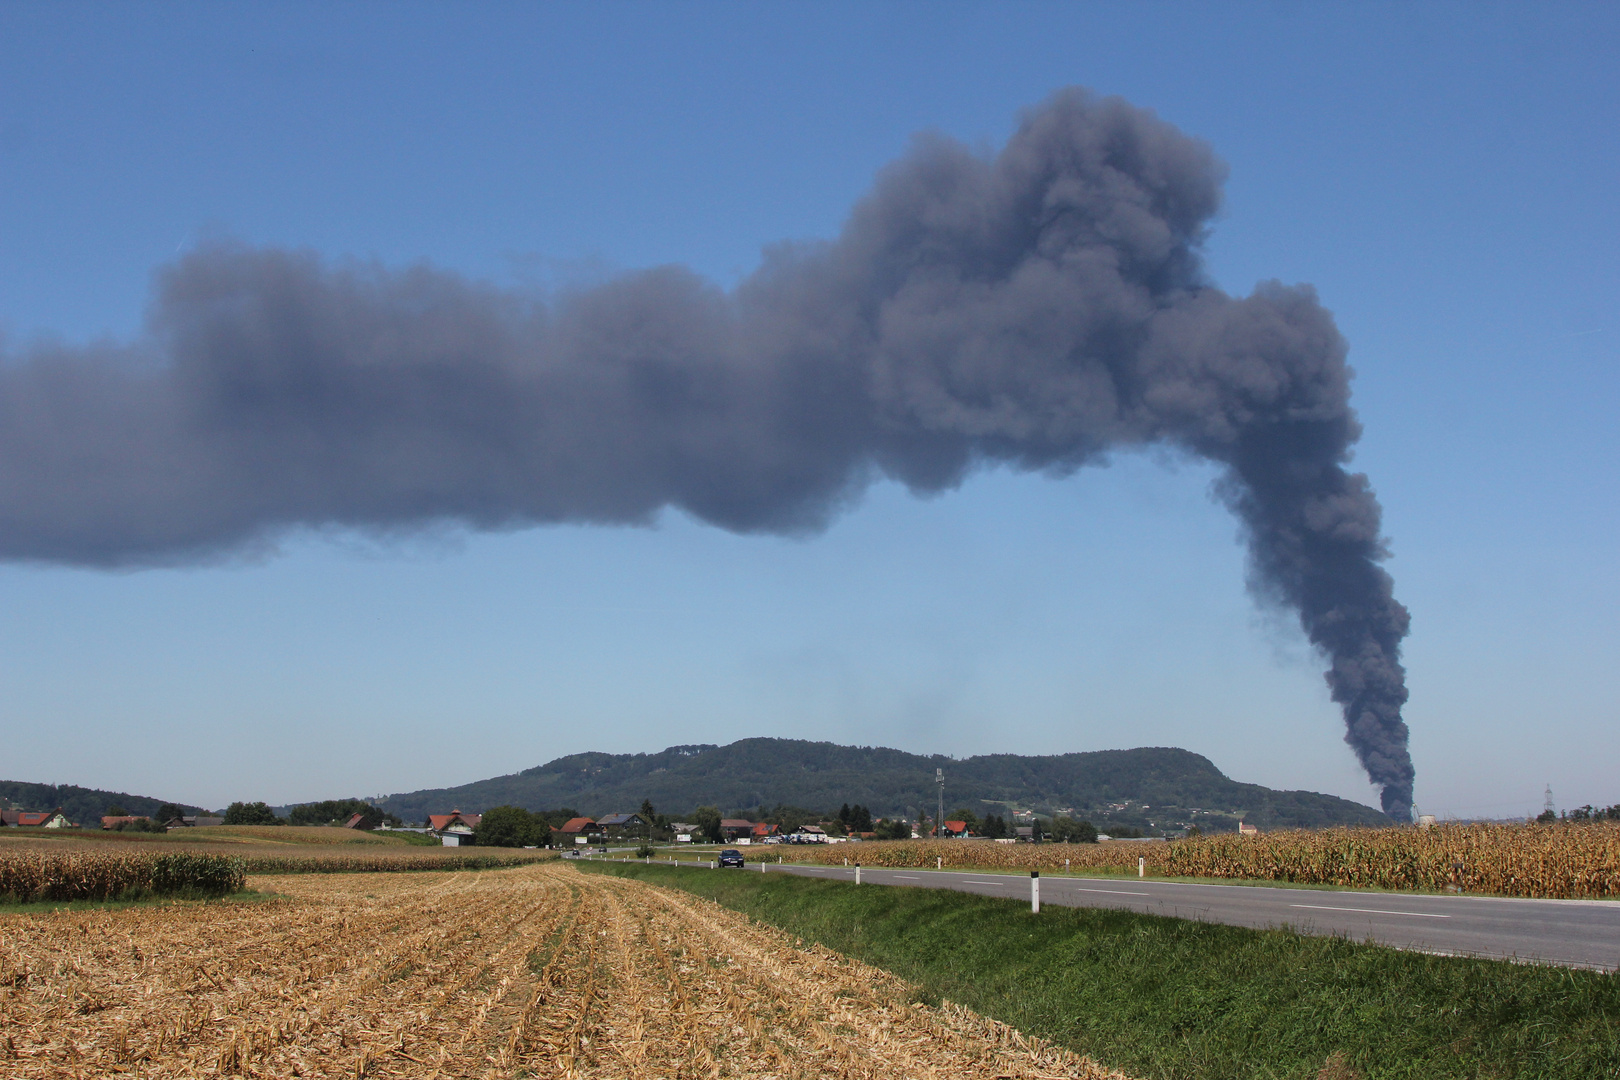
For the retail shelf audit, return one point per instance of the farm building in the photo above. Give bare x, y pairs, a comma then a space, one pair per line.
734, 829
36, 819
112, 821
454, 829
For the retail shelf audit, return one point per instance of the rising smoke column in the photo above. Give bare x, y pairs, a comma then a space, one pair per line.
1036, 309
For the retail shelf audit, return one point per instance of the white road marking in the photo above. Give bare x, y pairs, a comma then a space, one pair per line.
1111, 892
908, 877
1373, 911
982, 883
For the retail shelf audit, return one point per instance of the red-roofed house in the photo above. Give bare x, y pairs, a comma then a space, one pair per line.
763, 829
579, 828
454, 829
32, 819
956, 828
111, 821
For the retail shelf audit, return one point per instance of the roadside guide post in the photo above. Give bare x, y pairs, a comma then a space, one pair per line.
857, 873
1035, 891
1141, 867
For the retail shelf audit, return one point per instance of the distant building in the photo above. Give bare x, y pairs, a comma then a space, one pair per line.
112, 821
1245, 829
454, 829
683, 830
956, 828
579, 828
764, 829
734, 829
621, 824
36, 819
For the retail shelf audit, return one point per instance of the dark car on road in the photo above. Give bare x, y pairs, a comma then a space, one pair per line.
731, 857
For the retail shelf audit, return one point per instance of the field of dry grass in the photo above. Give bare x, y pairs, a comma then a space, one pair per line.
536, 971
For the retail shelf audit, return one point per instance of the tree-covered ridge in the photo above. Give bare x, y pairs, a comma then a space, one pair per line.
1154, 787
82, 805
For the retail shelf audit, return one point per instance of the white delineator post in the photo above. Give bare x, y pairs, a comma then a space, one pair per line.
1035, 891
939, 862
857, 873
1141, 867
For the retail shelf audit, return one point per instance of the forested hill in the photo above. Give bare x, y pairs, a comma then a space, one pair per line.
1155, 787
82, 805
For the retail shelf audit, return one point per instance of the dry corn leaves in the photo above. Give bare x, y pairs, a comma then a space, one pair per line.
538, 971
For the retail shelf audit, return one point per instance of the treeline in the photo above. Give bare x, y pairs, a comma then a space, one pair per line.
326, 812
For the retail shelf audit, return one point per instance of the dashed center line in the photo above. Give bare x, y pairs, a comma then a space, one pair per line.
1111, 892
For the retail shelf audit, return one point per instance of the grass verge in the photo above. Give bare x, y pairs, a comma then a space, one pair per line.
1172, 998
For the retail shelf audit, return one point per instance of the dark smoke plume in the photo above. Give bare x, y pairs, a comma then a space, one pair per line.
1038, 308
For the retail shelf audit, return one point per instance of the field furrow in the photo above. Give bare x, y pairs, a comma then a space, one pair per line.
534, 971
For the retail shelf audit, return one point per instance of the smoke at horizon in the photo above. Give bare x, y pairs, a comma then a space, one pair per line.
1036, 308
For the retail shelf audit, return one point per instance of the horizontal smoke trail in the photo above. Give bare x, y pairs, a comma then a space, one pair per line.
1037, 308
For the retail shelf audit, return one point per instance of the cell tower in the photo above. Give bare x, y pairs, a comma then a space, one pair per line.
1547, 804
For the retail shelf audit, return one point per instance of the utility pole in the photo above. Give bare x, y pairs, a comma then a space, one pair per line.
939, 822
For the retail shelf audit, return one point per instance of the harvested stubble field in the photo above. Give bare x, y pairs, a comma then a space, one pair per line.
535, 971
1561, 861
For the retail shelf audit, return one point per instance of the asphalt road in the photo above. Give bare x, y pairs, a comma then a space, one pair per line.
1573, 933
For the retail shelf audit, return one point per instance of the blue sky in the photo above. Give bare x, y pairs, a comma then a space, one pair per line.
1444, 176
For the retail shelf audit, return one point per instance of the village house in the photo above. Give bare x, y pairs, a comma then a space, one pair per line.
736, 830
112, 821
32, 819
957, 829
623, 825
762, 830
579, 829
454, 829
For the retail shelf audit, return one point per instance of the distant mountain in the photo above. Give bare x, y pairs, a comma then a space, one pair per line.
83, 806
1151, 787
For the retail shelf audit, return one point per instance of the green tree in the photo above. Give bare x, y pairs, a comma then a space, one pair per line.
255, 813
1066, 830
707, 819
892, 830
117, 810
860, 819
169, 811
507, 826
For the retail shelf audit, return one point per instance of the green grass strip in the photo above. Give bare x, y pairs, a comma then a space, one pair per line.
1172, 998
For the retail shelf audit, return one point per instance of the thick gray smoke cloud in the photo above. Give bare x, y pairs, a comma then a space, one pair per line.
1037, 308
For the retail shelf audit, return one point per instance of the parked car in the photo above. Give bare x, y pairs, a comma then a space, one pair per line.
731, 857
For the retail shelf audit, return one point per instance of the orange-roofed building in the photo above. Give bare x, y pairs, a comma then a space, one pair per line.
956, 828
454, 829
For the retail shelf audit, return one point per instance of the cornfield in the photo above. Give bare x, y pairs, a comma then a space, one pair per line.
976, 854
540, 971
390, 862
1548, 861
85, 875
1552, 861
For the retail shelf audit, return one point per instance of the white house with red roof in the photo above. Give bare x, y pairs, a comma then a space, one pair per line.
454, 829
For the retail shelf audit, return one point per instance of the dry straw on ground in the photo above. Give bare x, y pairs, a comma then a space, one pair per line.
537, 971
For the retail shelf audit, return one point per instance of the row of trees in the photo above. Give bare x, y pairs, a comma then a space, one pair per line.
1581, 813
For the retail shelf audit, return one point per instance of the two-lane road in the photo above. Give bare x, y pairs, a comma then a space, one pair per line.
1574, 933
